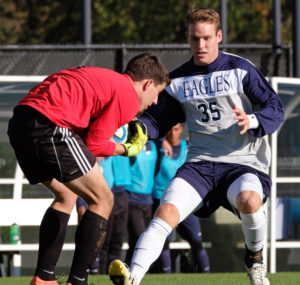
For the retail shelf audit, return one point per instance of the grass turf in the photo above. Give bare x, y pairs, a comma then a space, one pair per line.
282, 278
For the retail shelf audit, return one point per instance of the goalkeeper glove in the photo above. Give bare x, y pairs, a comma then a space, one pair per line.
137, 140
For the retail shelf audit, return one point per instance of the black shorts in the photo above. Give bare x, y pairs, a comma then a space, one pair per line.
45, 151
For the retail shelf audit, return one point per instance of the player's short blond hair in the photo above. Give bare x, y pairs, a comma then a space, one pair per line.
205, 15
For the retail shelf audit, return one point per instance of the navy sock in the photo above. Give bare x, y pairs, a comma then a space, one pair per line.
253, 257
201, 260
165, 261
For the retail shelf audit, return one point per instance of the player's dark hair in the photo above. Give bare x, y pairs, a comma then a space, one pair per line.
147, 66
205, 15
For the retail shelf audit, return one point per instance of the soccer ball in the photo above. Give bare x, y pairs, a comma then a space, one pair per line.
121, 135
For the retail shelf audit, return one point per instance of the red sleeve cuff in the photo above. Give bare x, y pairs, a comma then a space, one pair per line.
105, 149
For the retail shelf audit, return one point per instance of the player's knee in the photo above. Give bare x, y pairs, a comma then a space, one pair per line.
66, 198
167, 209
103, 199
248, 202
169, 213
108, 198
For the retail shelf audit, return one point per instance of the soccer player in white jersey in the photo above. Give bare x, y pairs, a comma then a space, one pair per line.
229, 108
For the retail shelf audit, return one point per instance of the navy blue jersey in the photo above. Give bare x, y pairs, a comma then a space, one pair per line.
203, 97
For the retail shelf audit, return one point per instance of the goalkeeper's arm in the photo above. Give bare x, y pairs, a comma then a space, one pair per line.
120, 150
137, 139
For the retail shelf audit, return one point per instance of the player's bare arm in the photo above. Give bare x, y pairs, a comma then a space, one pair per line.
120, 150
242, 118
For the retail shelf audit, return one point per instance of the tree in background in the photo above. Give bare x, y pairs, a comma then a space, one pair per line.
12, 20
136, 22
152, 21
252, 21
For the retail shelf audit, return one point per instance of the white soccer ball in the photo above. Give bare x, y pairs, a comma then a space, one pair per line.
121, 135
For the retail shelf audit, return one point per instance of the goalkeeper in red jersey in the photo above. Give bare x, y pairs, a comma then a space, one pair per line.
59, 129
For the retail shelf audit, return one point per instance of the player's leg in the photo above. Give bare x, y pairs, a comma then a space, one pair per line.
91, 230
178, 201
45, 151
190, 230
53, 231
90, 233
80, 172
246, 195
164, 262
81, 207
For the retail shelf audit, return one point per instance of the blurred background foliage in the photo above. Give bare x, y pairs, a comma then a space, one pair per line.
132, 22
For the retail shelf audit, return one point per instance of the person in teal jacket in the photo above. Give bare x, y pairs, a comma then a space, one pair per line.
140, 193
117, 222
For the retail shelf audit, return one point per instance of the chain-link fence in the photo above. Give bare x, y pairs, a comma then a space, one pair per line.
43, 60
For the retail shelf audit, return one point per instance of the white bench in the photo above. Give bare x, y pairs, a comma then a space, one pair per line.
29, 212
24, 212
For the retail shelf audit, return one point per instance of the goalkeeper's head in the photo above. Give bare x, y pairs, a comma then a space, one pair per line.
149, 77
147, 66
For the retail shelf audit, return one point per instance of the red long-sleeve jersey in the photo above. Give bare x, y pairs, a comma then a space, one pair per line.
92, 101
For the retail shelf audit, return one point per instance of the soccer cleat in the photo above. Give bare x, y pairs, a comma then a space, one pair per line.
38, 281
257, 274
120, 275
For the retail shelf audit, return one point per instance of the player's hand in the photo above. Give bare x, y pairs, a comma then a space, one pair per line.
242, 118
168, 151
137, 139
132, 129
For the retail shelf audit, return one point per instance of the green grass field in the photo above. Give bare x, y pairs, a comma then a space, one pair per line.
284, 278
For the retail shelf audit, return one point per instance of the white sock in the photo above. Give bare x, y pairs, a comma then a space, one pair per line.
149, 247
254, 229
